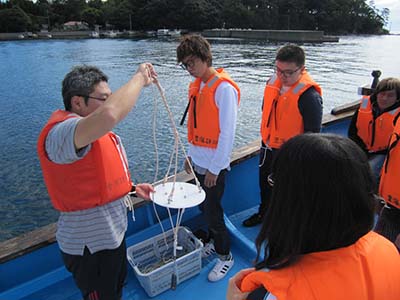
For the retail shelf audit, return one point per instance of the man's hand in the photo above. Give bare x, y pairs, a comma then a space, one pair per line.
143, 190
233, 292
148, 73
210, 179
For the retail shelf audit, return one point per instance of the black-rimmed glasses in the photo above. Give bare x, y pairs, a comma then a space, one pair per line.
96, 98
189, 64
286, 73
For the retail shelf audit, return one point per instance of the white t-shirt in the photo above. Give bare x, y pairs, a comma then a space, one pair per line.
217, 159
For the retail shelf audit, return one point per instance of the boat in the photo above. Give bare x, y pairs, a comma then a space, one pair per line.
175, 33
94, 34
31, 265
162, 32
151, 33
109, 34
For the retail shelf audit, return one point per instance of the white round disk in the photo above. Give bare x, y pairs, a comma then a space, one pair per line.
184, 195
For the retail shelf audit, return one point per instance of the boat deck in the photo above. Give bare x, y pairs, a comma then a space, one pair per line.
59, 284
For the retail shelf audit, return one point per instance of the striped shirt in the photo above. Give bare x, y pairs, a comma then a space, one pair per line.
98, 228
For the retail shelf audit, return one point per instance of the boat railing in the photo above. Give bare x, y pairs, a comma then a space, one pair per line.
349, 107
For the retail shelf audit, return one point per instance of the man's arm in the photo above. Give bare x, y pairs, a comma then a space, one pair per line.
114, 109
226, 100
310, 107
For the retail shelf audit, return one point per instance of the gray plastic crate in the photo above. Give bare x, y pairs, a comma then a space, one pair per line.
152, 260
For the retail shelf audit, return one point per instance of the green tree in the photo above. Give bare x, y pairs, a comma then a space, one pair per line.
73, 9
235, 14
117, 13
200, 14
92, 16
14, 20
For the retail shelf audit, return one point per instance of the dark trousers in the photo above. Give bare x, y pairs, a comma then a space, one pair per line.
213, 213
99, 276
264, 169
388, 223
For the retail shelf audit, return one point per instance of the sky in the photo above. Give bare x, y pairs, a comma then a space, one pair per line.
394, 17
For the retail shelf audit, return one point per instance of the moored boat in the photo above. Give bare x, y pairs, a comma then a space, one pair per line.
31, 265
162, 32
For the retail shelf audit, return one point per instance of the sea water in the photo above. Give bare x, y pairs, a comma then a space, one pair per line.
31, 73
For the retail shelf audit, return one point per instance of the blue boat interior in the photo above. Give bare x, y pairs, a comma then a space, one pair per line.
41, 275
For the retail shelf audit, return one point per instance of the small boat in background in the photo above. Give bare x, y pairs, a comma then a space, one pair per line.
94, 34
110, 34
162, 32
168, 33
175, 32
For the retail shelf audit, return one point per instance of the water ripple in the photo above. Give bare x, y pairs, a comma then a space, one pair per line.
32, 72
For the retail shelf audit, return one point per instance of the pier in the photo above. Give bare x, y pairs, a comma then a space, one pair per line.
295, 36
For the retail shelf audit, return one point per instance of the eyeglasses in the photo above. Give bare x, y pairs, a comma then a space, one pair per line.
189, 64
87, 97
286, 73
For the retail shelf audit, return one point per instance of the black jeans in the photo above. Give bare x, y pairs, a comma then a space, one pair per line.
264, 169
99, 276
388, 223
213, 213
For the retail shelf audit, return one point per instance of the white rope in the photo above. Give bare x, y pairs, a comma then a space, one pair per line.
176, 133
129, 204
155, 138
177, 143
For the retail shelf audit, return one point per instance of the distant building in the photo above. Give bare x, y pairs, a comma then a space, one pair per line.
76, 25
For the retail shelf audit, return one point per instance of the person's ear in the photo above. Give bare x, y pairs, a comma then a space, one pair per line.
77, 102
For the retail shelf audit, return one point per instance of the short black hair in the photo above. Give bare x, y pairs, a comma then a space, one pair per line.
81, 80
291, 54
194, 45
322, 199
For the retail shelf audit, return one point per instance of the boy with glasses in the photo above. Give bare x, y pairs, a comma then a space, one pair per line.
292, 105
213, 104
86, 173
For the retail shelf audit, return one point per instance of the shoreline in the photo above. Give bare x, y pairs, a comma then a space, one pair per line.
302, 36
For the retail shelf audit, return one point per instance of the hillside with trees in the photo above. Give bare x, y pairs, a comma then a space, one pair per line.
331, 16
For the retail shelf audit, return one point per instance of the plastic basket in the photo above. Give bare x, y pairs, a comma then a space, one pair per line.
152, 261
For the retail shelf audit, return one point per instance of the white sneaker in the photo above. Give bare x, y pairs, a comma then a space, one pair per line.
207, 250
220, 269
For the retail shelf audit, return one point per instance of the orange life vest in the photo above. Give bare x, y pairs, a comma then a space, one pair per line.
375, 133
368, 269
203, 123
100, 177
390, 174
281, 118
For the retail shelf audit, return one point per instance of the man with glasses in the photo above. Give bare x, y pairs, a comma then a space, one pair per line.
292, 105
213, 104
87, 177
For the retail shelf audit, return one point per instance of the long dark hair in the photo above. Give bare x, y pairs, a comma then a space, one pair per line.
322, 199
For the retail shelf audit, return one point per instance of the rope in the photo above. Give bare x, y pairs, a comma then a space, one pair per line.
176, 133
180, 212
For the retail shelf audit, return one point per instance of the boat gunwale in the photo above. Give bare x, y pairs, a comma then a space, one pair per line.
44, 236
